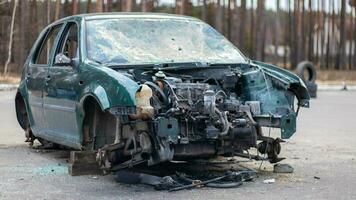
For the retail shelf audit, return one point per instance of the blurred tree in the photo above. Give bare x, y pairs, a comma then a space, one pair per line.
351, 45
204, 11
11, 37
341, 57
89, 9
58, 9
260, 30
99, 6
219, 16
354, 38
242, 25
252, 30
310, 30
322, 35
147, 5
74, 7
276, 35
328, 34
128, 5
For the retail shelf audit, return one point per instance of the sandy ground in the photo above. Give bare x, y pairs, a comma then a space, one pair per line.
322, 152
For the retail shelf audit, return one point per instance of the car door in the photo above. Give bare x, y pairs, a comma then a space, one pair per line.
60, 97
36, 77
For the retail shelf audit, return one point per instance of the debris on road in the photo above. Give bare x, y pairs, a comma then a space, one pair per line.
269, 181
283, 168
181, 181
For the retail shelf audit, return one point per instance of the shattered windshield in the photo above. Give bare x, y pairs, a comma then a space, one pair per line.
147, 41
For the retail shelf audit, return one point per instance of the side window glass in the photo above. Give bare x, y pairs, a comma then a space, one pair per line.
69, 44
47, 45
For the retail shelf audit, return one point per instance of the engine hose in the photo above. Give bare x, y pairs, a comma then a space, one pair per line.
175, 103
159, 90
224, 185
224, 120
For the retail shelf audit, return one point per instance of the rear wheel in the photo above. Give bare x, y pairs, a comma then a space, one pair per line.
22, 118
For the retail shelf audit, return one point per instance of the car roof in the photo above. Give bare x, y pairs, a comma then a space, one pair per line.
130, 15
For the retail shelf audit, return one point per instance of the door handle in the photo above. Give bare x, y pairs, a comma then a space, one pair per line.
48, 78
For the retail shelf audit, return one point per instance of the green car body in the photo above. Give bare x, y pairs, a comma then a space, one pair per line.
52, 97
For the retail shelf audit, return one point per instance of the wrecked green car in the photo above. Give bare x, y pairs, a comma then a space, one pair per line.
151, 88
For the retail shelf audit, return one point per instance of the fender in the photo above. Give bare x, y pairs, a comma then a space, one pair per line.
287, 80
276, 88
109, 87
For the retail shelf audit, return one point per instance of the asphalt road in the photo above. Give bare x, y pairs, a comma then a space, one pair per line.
322, 152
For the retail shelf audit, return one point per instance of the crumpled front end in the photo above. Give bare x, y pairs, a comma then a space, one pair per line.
202, 112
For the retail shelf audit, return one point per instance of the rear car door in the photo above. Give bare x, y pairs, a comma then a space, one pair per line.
36, 77
60, 97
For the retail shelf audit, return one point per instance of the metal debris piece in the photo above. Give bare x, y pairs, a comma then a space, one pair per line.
269, 181
283, 168
180, 181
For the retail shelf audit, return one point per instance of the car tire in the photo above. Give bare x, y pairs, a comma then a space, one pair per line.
306, 65
312, 89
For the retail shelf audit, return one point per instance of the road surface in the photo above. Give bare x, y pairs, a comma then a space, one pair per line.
322, 152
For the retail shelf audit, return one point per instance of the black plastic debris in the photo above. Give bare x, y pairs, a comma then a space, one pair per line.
181, 181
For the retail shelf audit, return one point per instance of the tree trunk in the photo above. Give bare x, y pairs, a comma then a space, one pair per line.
327, 58
288, 37
204, 11
259, 29
317, 32
108, 7
25, 40
48, 14
182, 7
128, 5
58, 9
230, 5
147, 5
242, 25
350, 41
310, 31
296, 36
11, 37
341, 56
99, 6
302, 34
89, 6
322, 36
276, 35
354, 41
74, 7
219, 18
252, 32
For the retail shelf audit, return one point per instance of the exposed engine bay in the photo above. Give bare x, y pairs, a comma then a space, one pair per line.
187, 113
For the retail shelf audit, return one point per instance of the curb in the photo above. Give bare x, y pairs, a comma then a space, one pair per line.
325, 87
8, 87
